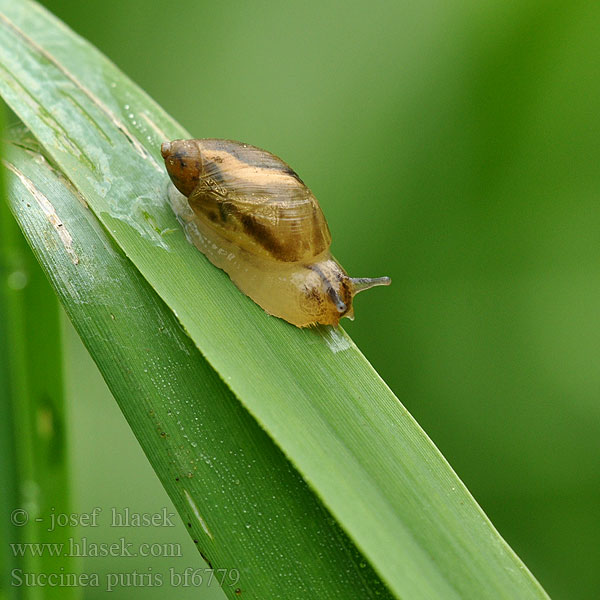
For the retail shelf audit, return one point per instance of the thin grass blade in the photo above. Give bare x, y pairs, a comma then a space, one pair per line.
34, 469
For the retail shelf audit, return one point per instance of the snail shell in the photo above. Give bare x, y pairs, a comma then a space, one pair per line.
253, 217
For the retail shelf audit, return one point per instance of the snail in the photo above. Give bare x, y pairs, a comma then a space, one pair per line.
253, 217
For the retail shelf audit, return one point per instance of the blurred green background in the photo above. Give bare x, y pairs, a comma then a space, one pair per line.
454, 146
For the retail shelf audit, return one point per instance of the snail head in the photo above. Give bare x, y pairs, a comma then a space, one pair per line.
183, 161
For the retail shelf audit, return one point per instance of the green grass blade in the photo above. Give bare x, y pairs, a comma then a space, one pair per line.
9, 480
33, 461
245, 506
312, 390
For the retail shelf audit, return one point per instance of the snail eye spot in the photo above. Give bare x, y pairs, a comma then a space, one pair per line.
337, 301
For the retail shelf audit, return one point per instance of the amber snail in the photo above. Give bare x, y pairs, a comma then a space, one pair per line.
253, 217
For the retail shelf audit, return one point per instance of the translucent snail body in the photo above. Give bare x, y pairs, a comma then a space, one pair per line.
253, 217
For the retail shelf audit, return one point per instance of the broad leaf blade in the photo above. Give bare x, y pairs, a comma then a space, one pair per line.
245, 506
312, 390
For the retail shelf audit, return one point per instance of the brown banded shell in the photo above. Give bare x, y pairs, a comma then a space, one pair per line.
253, 208
251, 197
